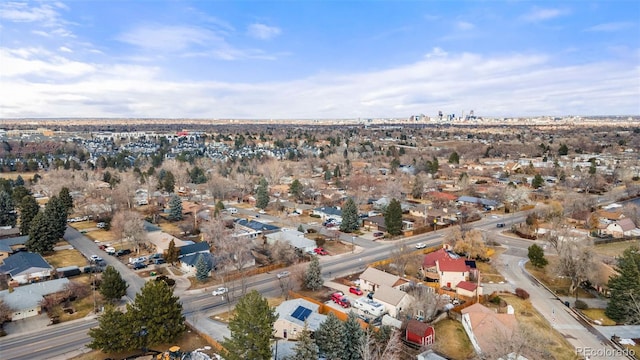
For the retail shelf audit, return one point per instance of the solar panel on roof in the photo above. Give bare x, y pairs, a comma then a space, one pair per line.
301, 313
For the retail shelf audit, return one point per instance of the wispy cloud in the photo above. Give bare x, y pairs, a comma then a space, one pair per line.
167, 38
42, 15
507, 85
611, 26
542, 14
464, 25
262, 31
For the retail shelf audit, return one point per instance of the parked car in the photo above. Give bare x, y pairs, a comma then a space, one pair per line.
232, 210
220, 291
378, 234
283, 274
102, 225
139, 265
123, 252
421, 245
110, 250
500, 225
320, 251
159, 261
339, 299
355, 290
95, 258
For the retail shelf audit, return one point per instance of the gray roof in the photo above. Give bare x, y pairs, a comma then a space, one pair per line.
22, 261
379, 277
389, 295
19, 240
194, 248
329, 210
29, 296
192, 259
293, 237
476, 200
286, 309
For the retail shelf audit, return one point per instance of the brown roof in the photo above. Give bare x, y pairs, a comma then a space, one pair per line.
379, 277
626, 224
610, 215
442, 196
488, 326
455, 265
417, 327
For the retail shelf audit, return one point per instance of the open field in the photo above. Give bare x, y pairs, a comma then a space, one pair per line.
14, 175
488, 272
102, 236
615, 249
189, 341
83, 225
452, 341
225, 317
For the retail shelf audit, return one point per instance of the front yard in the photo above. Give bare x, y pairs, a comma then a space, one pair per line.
452, 341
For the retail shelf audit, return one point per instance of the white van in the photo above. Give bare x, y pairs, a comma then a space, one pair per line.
232, 210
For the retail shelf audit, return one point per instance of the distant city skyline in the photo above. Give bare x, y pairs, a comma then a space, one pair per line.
318, 59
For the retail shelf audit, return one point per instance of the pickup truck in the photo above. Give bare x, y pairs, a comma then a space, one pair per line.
340, 299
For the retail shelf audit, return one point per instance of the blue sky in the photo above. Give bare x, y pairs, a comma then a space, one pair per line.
318, 59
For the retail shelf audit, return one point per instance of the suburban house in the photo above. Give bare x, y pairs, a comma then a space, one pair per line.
10, 245
451, 271
25, 267
191, 254
294, 238
24, 301
293, 314
485, 326
622, 228
161, 241
472, 200
430, 355
327, 212
372, 279
393, 300
420, 333
251, 228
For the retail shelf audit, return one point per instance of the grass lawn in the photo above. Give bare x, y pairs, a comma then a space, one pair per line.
102, 236
226, 316
189, 341
14, 175
488, 272
598, 314
558, 285
83, 225
551, 339
64, 258
614, 249
452, 341
170, 228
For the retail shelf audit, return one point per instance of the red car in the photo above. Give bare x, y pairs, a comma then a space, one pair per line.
355, 290
320, 251
339, 299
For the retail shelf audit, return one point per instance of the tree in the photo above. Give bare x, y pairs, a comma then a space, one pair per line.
262, 194
454, 158
55, 214
313, 275
418, 188
112, 287
295, 189
128, 225
536, 256
563, 150
197, 175
353, 337
172, 253
8, 214
29, 208
202, 269
393, 217
624, 304
157, 309
575, 262
350, 220
5, 313
250, 329
305, 347
175, 208
66, 199
537, 181
113, 332
425, 305
41, 238
168, 182
385, 344
329, 344
19, 181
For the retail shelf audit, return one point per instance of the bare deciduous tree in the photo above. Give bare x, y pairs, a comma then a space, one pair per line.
523, 341
283, 252
5, 312
128, 226
575, 261
425, 305
372, 349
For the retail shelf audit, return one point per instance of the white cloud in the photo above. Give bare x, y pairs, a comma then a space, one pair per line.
464, 25
22, 12
542, 14
611, 27
508, 85
167, 38
65, 49
262, 31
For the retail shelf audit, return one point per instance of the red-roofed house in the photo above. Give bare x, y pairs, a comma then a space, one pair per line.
468, 289
452, 271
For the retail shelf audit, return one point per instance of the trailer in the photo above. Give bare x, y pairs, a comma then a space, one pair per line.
368, 306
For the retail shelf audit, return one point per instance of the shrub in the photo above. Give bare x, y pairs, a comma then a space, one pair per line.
522, 294
314, 216
579, 304
495, 300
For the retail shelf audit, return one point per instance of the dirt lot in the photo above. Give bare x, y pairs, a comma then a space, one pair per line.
188, 342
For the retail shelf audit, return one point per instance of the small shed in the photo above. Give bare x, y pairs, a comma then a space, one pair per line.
420, 333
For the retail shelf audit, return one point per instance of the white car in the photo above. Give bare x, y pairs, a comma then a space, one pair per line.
220, 291
283, 274
421, 245
96, 258
262, 212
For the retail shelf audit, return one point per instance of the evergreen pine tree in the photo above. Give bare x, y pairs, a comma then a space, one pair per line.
454, 158
202, 269
250, 329
41, 236
18, 193
113, 332
313, 275
536, 256
537, 181
172, 253
8, 214
66, 199
29, 208
329, 344
157, 309
19, 181
295, 189
262, 194
305, 348
113, 287
169, 182
55, 214
175, 208
624, 304
353, 335
350, 221
393, 217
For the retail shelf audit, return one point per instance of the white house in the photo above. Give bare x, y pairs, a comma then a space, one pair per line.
621, 228
452, 271
293, 314
23, 267
372, 279
328, 212
24, 301
292, 237
393, 300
